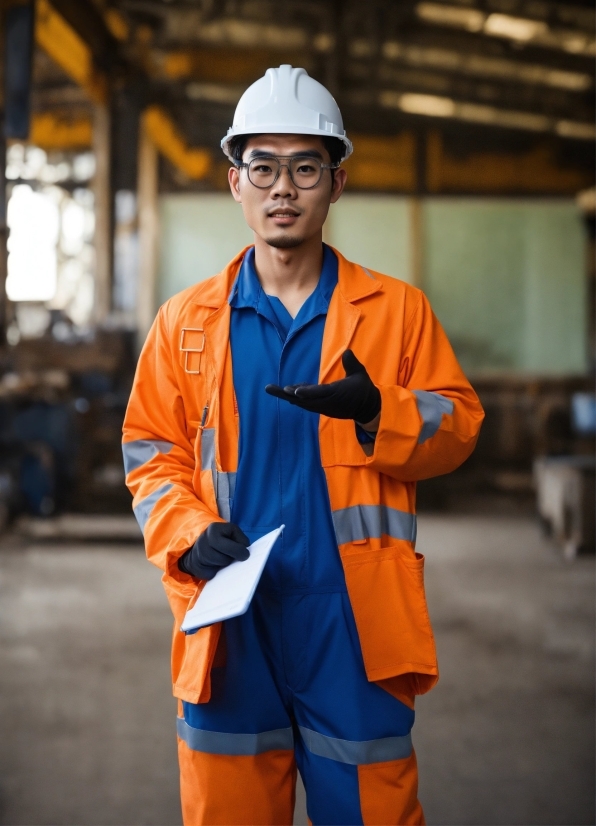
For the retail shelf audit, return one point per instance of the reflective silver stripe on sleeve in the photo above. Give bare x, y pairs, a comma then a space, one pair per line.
143, 510
208, 448
223, 742
431, 407
224, 482
357, 752
372, 522
225, 488
141, 451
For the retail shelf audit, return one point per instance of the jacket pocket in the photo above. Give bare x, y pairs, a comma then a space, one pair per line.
192, 654
386, 589
193, 680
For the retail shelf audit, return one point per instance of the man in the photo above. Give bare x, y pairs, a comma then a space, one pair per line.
296, 387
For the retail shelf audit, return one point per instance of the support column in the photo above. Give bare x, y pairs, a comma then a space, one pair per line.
3, 236
102, 186
147, 188
416, 243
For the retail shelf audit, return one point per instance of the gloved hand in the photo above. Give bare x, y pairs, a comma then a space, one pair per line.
354, 397
219, 545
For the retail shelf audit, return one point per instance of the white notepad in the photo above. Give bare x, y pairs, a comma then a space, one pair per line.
230, 591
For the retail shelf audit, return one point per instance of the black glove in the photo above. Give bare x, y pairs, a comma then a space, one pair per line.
219, 545
354, 397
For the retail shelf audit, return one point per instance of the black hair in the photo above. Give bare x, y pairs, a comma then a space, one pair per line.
334, 147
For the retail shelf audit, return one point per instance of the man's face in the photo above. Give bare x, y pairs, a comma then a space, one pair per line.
284, 215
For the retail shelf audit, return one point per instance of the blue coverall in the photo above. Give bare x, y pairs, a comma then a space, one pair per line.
294, 674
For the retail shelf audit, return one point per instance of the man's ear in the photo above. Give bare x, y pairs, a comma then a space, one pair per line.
234, 182
339, 181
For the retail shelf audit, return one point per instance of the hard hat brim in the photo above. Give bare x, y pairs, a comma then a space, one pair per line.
278, 129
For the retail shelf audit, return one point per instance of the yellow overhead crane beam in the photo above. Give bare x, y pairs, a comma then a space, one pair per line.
68, 50
51, 131
194, 162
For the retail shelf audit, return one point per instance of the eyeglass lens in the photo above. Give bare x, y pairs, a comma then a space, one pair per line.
304, 172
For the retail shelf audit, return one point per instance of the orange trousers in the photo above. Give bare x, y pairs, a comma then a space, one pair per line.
260, 790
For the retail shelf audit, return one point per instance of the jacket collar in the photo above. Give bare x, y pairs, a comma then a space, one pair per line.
216, 290
354, 282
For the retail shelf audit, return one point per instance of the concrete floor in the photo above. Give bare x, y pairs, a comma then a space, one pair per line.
507, 737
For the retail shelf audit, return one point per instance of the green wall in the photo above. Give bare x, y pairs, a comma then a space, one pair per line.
505, 277
199, 234
374, 231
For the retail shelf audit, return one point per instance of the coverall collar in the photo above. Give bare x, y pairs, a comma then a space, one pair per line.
248, 292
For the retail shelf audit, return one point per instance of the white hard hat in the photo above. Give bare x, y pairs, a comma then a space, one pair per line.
287, 101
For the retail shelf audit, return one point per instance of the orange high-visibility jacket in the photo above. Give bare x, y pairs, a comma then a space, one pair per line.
181, 453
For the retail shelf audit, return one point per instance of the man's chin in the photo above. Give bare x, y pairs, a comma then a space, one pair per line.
284, 242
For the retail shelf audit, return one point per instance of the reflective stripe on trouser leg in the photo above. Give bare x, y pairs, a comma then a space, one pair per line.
232, 744
357, 752
245, 790
339, 792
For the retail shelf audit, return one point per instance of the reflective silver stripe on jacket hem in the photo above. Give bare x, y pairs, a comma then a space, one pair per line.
224, 482
431, 407
223, 742
357, 752
372, 522
138, 453
143, 510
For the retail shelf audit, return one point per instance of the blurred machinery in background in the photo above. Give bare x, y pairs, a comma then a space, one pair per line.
61, 410
111, 106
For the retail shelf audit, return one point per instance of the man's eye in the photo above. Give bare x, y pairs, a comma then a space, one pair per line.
306, 168
262, 168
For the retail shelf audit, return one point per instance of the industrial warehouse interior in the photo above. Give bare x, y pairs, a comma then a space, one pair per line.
472, 178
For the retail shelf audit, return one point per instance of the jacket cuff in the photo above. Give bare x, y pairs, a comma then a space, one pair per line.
399, 428
365, 437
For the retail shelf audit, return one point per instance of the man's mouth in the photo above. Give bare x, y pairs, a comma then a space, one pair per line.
283, 213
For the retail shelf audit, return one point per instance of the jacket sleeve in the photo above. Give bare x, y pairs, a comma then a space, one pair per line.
159, 458
431, 419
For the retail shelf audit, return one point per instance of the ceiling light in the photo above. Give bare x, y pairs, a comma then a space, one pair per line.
249, 33
475, 64
470, 19
214, 92
575, 43
576, 129
476, 112
574, 81
518, 29
431, 105
514, 28
361, 48
523, 120
444, 107
392, 50
323, 42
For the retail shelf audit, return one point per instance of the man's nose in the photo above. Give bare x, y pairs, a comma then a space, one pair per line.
284, 187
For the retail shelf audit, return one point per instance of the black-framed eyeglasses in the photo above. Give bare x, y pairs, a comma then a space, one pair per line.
305, 172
